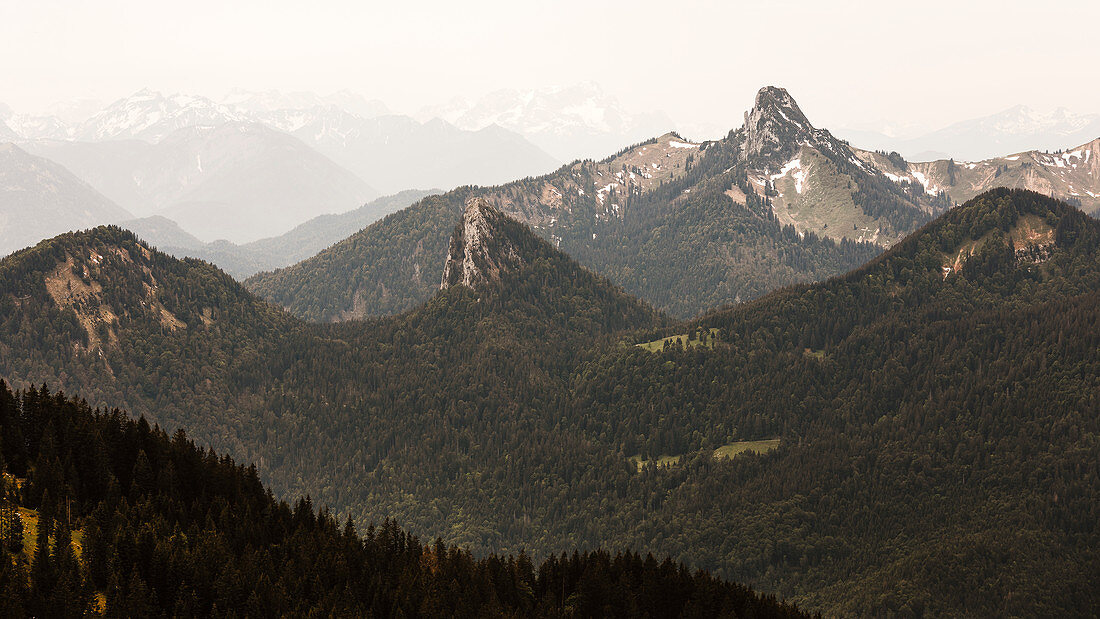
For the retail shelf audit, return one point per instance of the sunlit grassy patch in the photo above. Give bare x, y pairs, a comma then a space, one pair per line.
705, 337
740, 447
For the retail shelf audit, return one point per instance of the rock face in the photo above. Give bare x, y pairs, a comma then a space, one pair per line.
816, 183
773, 125
480, 249
776, 129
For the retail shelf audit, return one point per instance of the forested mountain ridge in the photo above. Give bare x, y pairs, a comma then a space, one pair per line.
146, 525
1017, 234
931, 417
99, 309
935, 414
242, 375
685, 226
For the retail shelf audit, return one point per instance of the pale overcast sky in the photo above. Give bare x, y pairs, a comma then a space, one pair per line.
929, 63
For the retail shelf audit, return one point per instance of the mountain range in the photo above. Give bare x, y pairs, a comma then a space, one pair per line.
40, 199
571, 122
686, 226
235, 181
150, 116
1069, 174
389, 151
862, 445
257, 164
179, 157
301, 242
1016, 129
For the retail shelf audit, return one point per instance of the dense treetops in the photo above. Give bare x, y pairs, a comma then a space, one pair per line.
935, 410
171, 529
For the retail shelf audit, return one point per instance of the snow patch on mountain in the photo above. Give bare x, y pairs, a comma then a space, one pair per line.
799, 174
929, 188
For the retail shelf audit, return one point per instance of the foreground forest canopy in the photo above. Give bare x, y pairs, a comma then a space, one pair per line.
142, 524
918, 436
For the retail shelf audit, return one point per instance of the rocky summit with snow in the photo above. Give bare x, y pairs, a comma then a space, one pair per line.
149, 115
775, 126
1071, 174
816, 183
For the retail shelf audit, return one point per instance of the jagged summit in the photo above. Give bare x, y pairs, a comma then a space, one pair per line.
775, 129
775, 125
772, 101
480, 248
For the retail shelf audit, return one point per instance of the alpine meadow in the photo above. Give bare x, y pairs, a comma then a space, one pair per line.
528, 310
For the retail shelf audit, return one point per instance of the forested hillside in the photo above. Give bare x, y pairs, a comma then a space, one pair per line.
938, 417
141, 524
919, 435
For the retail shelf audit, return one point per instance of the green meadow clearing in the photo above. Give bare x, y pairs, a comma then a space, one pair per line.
740, 447
687, 340
723, 452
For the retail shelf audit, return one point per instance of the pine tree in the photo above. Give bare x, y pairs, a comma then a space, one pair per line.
69, 597
143, 480
98, 533
13, 586
43, 575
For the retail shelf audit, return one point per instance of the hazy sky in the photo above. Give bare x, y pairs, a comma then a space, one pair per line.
929, 63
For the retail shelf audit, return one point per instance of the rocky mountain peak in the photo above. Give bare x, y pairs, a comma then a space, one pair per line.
775, 125
480, 248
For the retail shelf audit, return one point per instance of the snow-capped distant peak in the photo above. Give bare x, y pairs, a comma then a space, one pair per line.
29, 127
551, 110
570, 122
149, 115
269, 101
1023, 120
